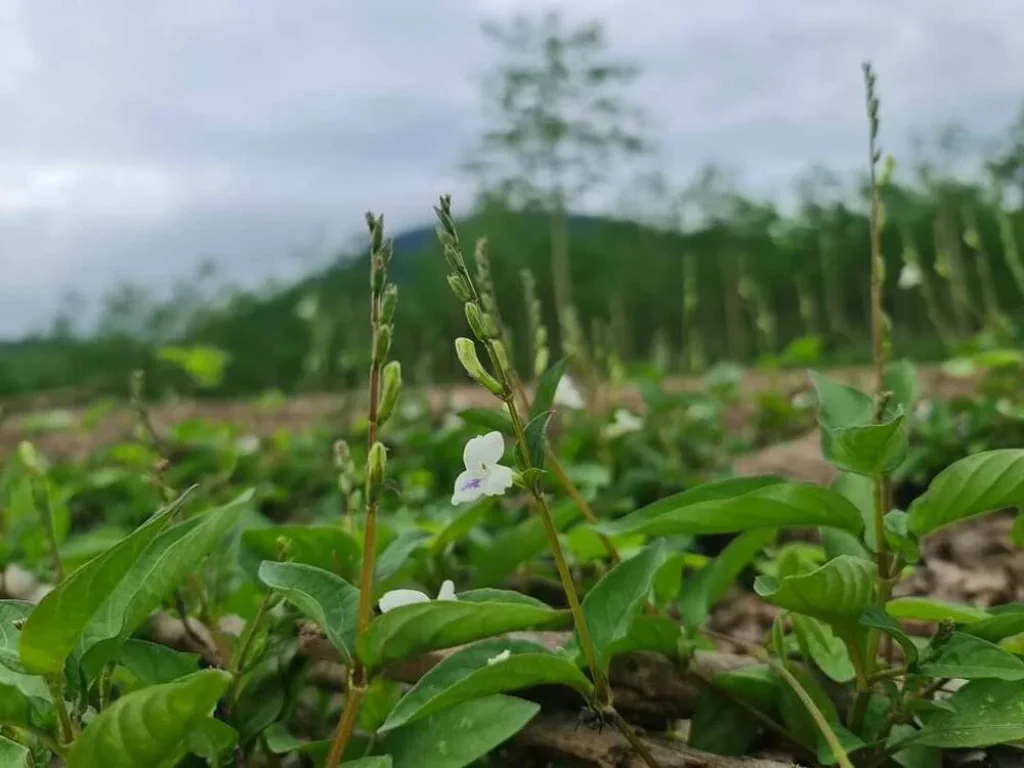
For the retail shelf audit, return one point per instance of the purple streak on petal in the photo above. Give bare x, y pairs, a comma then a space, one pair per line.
472, 483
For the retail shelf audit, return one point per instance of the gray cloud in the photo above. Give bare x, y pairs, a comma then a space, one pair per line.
138, 138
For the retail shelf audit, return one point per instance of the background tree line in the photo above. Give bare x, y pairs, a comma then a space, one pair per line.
675, 277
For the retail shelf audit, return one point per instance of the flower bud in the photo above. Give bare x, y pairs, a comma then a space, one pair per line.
475, 318
459, 287
29, 457
388, 304
376, 468
345, 466
382, 344
466, 351
501, 357
283, 545
391, 386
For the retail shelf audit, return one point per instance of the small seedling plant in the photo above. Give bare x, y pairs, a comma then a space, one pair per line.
837, 680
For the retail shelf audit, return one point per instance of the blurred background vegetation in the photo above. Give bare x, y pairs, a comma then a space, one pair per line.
678, 275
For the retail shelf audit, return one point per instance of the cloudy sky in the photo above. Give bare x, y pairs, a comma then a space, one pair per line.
140, 136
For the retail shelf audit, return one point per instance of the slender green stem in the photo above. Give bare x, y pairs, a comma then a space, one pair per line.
812, 709
67, 728
46, 513
588, 514
634, 741
105, 684
238, 661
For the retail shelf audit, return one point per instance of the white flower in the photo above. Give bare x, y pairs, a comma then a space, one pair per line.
484, 476
910, 276
503, 656
625, 422
396, 598
567, 394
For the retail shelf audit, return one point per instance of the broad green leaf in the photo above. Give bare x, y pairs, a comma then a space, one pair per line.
462, 524
488, 418
24, 699
394, 556
969, 657
212, 740
154, 664
57, 623
519, 544
658, 634
723, 727
987, 712
899, 538
414, 629
931, 609
859, 491
613, 604
836, 593
999, 626
327, 599
702, 590
150, 726
12, 614
914, 755
773, 505
850, 438
488, 595
381, 697
544, 395
166, 563
458, 736
820, 645
381, 761
490, 666
324, 546
901, 379
798, 720
875, 618
981, 483
536, 434
14, 755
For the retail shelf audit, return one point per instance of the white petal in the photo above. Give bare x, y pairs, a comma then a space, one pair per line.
498, 480
568, 394
483, 451
503, 656
469, 486
447, 590
628, 420
910, 276
396, 598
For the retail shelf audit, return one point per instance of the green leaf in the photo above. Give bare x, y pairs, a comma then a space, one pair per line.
987, 712
24, 699
723, 727
14, 755
166, 562
901, 379
12, 614
324, 546
458, 736
381, 697
488, 595
327, 599
820, 645
969, 657
875, 618
707, 586
519, 544
544, 396
489, 419
381, 761
212, 740
148, 727
850, 438
462, 524
57, 623
484, 668
658, 634
414, 629
836, 593
775, 504
154, 664
536, 432
931, 609
394, 556
799, 721
899, 538
613, 604
972, 486
1000, 625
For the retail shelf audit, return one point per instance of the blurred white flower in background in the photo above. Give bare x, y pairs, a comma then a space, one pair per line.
483, 476
910, 276
624, 423
396, 598
567, 394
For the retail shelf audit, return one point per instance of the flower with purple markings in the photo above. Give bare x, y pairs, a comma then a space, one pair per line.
484, 476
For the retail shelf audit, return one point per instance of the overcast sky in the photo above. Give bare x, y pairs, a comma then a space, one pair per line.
140, 136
